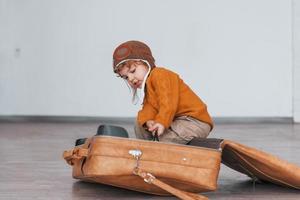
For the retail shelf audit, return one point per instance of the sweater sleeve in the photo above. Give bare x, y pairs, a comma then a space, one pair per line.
167, 90
147, 113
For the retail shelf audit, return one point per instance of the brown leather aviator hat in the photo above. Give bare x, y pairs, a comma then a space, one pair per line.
132, 50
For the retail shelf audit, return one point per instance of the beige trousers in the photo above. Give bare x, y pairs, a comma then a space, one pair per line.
182, 130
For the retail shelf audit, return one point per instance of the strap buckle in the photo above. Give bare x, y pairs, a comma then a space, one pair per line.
149, 178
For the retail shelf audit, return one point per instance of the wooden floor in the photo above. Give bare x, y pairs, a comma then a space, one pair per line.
32, 166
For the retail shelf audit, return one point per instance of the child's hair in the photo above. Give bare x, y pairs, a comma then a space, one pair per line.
128, 64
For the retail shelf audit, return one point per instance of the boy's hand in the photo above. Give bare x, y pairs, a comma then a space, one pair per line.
158, 127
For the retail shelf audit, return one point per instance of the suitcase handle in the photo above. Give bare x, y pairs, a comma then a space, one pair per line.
76, 153
150, 179
155, 136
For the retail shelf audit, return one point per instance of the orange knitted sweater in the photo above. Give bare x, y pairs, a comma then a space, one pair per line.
167, 97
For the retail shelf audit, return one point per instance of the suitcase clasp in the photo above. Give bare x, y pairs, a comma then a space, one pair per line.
135, 153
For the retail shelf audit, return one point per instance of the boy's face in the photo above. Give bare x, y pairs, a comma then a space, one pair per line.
134, 73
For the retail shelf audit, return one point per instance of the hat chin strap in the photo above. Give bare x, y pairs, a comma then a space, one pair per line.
141, 92
146, 76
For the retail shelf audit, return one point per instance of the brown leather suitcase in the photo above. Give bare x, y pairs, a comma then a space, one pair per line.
260, 166
164, 168
180, 170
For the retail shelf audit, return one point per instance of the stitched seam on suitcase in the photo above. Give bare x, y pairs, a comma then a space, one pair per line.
153, 161
268, 176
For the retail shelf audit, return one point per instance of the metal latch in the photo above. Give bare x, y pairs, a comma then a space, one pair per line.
137, 155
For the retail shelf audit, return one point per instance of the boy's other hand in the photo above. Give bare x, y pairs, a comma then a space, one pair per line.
157, 127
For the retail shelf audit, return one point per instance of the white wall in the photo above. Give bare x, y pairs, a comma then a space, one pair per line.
296, 60
55, 55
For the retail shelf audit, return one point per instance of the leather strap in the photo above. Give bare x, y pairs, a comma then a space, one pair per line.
149, 178
76, 153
